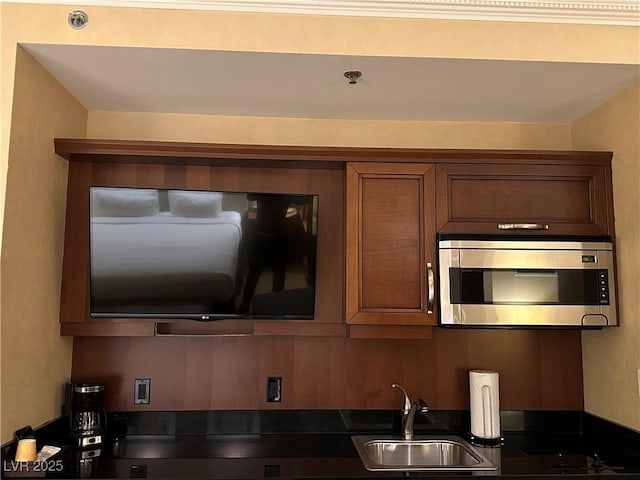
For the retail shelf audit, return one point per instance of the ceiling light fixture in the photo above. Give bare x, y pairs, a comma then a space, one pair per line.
353, 76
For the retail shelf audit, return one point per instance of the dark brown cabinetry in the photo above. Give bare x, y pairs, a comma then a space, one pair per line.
326, 182
390, 251
550, 199
373, 277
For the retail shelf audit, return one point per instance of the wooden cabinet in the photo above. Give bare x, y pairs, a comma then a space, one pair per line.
390, 250
507, 198
327, 183
373, 265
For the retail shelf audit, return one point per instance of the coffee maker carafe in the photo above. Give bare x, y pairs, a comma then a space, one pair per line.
86, 414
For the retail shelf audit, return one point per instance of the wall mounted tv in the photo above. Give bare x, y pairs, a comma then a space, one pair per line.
202, 255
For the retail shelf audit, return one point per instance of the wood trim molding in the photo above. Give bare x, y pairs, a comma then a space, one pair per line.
139, 151
107, 328
301, 327
598, 12
391, 331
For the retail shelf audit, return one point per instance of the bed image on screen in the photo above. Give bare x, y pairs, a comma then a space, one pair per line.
202, 255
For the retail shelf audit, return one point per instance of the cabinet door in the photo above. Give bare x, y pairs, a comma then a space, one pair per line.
390, 244
547, 199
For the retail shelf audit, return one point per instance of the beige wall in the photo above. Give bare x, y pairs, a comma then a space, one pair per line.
28, 170
302, 34
612, 357
36, 361
291, 131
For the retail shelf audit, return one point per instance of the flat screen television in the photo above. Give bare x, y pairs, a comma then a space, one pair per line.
202, 255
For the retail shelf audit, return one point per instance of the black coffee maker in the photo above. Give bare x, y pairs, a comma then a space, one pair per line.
84, 407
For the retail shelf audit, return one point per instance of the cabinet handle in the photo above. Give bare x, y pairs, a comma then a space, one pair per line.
431, 289
523, 226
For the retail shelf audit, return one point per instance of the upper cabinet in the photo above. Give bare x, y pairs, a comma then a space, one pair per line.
508, 198
390, 250
376, 243
326, 181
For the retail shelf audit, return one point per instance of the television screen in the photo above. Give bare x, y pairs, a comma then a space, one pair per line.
202, 255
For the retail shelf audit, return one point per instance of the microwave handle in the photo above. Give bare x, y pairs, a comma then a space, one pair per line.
431, 289
523, 226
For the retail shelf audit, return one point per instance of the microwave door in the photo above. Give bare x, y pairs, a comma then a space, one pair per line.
493, 286
524, 259
519, 288
527, 316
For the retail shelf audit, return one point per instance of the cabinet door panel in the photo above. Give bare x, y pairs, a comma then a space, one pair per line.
566, 199
516, 200
390, 240
390, 243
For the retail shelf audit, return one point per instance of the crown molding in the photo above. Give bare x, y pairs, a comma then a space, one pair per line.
599, 12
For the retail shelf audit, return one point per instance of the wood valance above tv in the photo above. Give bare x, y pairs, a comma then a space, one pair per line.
145, 151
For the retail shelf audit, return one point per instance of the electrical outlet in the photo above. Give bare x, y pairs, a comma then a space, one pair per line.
142, 391
274, 389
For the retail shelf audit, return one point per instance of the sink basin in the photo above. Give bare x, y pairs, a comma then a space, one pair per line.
424, 453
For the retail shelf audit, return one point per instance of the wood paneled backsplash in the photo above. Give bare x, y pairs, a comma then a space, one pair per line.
538, 370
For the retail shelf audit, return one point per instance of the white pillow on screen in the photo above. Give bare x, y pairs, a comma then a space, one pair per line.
124, 202
195, 204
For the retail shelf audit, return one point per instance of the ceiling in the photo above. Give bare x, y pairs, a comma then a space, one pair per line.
313, 86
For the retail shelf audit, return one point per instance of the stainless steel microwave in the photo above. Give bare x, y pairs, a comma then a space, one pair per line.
526, 281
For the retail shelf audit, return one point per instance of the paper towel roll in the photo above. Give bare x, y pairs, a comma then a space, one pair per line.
484, 392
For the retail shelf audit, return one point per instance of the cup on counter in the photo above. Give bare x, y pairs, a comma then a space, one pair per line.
26, 451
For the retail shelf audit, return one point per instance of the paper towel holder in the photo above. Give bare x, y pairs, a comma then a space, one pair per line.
484, 399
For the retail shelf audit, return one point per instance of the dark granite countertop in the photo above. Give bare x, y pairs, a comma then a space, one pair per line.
317, 445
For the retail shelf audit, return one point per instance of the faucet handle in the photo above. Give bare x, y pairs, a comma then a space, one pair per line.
407, 401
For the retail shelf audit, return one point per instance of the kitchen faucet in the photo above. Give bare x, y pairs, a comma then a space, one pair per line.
409, 410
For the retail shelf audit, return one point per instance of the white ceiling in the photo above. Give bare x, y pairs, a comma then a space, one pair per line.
313, 86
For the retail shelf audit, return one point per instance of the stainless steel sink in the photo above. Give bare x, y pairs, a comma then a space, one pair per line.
424, 453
